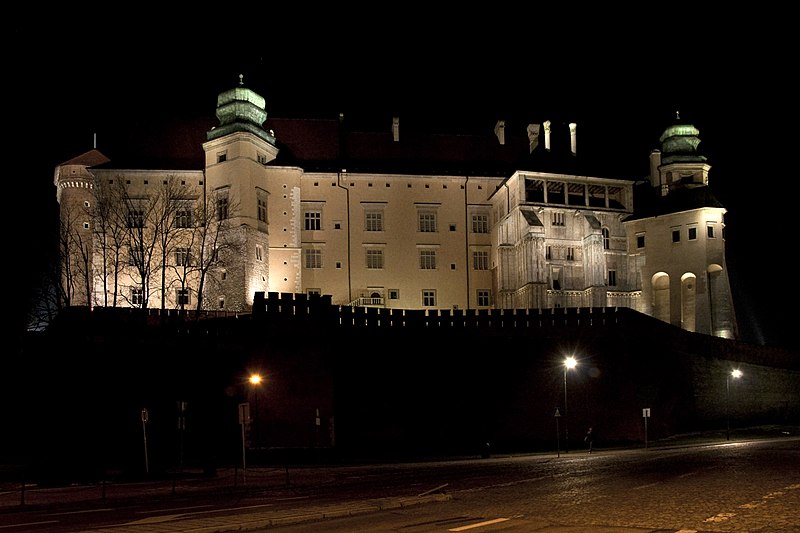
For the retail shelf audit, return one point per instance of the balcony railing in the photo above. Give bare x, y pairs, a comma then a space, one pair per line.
368, 302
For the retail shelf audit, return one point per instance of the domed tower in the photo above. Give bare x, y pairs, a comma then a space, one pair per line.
74, 191
676, 239
248, 198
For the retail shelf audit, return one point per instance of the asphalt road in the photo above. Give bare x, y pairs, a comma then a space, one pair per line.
751, 486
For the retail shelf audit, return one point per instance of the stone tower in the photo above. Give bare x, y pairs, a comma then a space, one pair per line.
75, 194
676, 239
260, 203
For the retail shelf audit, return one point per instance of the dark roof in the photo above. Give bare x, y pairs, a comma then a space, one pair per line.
649, 203
330, 144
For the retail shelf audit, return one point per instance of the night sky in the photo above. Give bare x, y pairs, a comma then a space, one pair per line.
625, 81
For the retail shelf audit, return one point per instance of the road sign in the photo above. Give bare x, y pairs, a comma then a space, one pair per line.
145, 415
646, 412
558, 413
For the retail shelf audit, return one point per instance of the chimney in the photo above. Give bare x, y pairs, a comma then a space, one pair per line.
533, 136
396, 128
546, 125
573, 140
500, 131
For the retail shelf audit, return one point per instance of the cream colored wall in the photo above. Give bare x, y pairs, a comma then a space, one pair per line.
677, 260
399, 197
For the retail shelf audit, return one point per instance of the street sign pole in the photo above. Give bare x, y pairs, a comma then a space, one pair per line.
244, 419
145, 418
558, 434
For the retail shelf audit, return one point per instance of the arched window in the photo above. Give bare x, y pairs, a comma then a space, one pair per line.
606, 239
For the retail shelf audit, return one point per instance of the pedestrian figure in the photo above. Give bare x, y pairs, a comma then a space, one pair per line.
589, 438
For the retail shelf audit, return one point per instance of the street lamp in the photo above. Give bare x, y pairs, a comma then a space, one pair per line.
569, 364
735, 374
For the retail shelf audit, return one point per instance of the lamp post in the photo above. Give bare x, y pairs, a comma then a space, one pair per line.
735, 374
569, 363
255, 380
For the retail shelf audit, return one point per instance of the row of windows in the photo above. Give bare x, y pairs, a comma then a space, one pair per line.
373, 221
676, 235
182, 296
428, 296
312, 258
692, 233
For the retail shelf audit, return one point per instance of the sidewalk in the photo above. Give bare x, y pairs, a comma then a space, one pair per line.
271, 481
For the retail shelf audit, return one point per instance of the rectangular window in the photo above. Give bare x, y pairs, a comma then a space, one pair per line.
676, 235
640, 240
222, 157
259, 253
181, 256
221, 302
182, 296
373, 221
394, 294
374, 259
183, 218
558, 219
135, 218
429, 298
570, 254
262, 209
484, 298
137, 296
480, 260
314, 292
710, 231
612, 278
692, 234
427, 259
222, 208
427, 222
480, 223
548, 253
313, 220
312, 258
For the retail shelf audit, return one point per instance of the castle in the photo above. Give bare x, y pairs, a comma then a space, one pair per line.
396, 219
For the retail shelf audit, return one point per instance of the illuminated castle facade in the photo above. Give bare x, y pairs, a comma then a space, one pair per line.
415, 221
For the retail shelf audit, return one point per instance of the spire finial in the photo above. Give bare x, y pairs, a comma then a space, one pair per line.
241, 79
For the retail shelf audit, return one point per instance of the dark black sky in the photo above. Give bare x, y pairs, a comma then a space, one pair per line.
730, 76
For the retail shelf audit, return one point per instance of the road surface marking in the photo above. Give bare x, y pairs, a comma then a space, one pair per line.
479, 524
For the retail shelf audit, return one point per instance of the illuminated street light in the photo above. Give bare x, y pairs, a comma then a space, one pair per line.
735, 374
569, 363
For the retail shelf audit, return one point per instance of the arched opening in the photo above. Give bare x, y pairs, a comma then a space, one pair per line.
689, 302
723, 323
660, 285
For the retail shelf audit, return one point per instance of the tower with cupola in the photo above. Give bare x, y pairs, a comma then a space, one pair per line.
257, 205
676, 239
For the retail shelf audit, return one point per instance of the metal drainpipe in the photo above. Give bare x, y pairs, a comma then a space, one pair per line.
466, 233
347, 194
341, 162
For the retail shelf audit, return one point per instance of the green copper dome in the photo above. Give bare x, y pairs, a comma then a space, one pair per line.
241, 110
679, 144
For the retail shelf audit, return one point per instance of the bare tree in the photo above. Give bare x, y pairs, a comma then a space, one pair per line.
110, 235
170, 200
143, 219
215, 238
